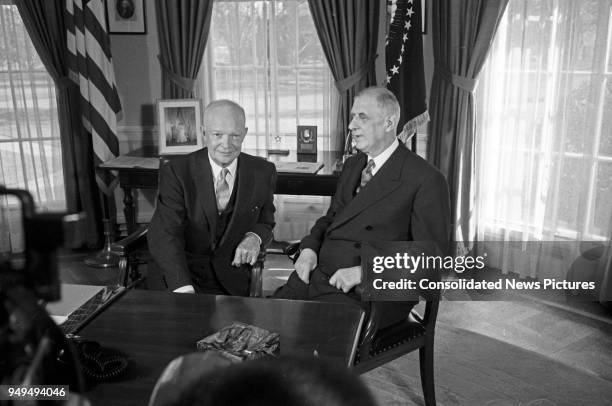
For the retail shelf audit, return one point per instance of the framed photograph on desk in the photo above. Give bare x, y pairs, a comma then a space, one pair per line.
307, 139
179, 122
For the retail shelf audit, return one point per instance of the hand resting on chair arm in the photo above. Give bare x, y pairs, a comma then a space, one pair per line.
247, 252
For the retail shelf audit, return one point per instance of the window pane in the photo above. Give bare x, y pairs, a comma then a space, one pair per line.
583, 17
539, 104
572, 189
605, 146
30, 151
287, 100
603, 199
12, 165
285, 23
530, 31
280, 75
580, 113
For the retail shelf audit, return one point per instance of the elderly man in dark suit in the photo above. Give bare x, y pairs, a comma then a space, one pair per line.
214, 211
385, 193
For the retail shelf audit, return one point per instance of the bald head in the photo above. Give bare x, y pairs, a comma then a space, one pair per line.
224, 131
227, 108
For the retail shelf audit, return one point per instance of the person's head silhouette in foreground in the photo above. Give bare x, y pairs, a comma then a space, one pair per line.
281, 381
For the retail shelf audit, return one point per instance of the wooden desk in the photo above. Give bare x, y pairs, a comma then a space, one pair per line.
323, 183
153, 328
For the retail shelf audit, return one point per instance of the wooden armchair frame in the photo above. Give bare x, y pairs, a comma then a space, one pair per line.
379, 346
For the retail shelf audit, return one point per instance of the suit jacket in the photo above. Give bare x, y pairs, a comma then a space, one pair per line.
407, 200
181, 235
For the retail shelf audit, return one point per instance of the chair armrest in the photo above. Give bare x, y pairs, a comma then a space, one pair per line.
371, 325
256, 287
131, 243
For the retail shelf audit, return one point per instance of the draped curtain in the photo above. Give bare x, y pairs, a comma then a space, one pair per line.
543, 143
463, 31
348, 31
183, 27
45, 23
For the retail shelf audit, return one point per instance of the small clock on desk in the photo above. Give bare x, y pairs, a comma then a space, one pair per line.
307, 140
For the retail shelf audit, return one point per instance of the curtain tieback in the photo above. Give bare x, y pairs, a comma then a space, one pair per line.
181, 81
351, 80
462, 82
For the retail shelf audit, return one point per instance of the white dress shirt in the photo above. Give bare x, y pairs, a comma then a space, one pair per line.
231, 174
381, 158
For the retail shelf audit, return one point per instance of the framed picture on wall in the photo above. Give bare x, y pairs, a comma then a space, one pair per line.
126, 16
179, 122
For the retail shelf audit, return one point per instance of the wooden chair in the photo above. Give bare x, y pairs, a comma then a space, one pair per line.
379, 346
133, 252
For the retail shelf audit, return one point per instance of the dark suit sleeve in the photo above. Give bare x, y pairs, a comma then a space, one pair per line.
166, 232
265, 224
317, 232
431, 215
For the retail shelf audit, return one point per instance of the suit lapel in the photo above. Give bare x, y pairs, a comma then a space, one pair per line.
205, 189
354, 178
386, 180
244, 190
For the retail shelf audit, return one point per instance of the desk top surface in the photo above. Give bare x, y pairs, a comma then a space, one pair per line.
153, 328
147, 159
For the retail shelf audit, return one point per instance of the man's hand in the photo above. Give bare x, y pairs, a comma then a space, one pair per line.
346, 279
306, 262
247, 251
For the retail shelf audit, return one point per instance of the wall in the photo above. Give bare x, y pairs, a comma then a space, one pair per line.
138, 78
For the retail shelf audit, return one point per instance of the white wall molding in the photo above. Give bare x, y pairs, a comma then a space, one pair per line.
133, 137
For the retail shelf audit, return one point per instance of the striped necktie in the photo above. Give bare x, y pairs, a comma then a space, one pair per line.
222, 190
366, 175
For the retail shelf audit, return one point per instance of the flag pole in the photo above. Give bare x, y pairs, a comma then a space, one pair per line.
105, 258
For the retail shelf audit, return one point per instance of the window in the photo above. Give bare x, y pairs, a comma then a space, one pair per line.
266, 55
544, 119
30, 152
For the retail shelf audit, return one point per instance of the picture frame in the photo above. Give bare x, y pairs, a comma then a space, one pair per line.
179, 123
307, 139
126, 17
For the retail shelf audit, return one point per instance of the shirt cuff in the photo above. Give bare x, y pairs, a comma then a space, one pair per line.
253, 234
184, 289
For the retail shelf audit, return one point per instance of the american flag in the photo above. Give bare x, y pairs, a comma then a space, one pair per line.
91, 67
404, 59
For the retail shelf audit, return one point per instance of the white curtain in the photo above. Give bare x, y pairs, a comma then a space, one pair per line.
544, 139
30, 153
266, 55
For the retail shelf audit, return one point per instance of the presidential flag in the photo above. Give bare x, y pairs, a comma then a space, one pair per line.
404, 60
91, 67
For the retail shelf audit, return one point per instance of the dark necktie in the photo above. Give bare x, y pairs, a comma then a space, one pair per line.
222, 190
366, 175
